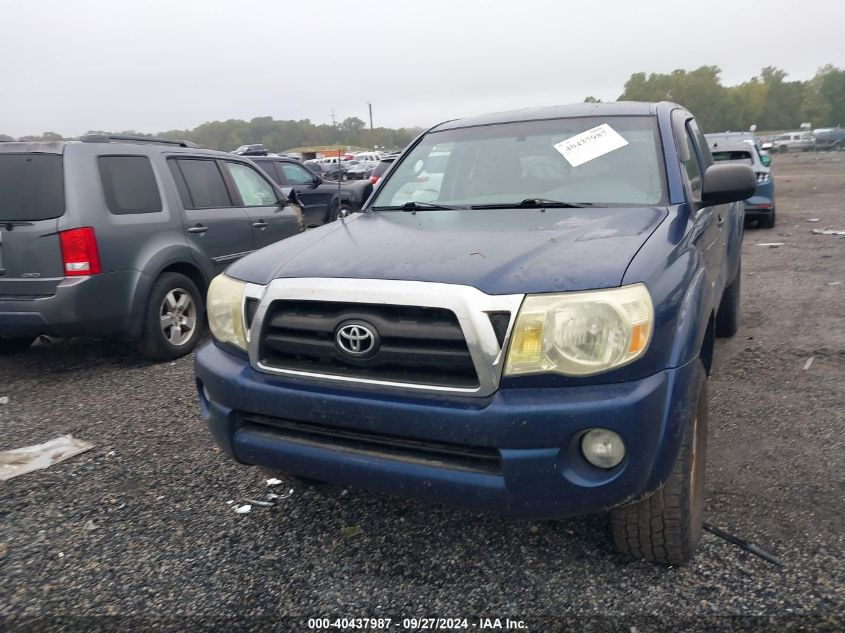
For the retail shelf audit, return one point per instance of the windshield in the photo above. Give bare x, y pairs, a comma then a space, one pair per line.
617, 163
32, 187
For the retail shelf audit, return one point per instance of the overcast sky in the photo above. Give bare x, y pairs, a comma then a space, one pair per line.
152, 65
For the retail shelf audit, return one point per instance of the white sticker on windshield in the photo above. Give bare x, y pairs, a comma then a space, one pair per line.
591, 144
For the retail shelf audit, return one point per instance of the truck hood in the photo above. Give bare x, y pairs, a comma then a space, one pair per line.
502, 251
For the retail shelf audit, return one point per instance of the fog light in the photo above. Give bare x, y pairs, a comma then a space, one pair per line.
603, 448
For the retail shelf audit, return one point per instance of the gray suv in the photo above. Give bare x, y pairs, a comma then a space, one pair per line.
116, 235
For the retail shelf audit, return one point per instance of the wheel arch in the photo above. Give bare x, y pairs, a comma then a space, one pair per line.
177, 262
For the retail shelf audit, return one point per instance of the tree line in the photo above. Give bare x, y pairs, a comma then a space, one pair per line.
767, 100
276, 135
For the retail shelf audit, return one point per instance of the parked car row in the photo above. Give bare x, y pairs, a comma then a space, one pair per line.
117, 235
824, 139
432, 347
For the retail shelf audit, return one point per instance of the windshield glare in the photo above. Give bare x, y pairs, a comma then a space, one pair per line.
510, 162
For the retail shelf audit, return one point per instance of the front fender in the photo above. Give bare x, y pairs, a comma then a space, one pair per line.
672, 268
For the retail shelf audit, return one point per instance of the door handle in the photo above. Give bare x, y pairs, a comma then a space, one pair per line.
720, 220
261, 224
199, 228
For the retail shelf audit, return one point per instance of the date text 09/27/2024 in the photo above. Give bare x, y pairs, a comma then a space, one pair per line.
416, 624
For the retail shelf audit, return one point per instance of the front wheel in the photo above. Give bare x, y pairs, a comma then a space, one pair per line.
665, 527
174, 318
341, 211
15, 345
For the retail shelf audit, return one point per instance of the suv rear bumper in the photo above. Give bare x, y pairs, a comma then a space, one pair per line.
521, 446
81, 306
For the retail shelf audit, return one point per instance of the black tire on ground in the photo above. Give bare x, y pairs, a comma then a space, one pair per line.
342, 210
665, 527
769, 221
173, 296
783, 149
15, 345
727, 318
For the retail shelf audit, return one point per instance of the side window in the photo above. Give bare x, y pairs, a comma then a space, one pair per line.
129, 184
297, 175
693, 167
204, 184
254, 189
269, 168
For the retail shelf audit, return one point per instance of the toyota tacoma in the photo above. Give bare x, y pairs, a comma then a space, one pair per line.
522, 320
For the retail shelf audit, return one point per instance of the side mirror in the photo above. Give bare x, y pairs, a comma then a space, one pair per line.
292, 197
317, 181
727, 183
767, 160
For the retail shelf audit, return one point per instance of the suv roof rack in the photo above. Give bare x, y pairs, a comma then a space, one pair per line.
108, 138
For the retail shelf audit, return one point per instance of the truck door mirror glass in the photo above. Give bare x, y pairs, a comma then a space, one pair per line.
766, 160
727, 183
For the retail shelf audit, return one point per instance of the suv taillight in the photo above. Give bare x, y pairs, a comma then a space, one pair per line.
374, 179
79, 252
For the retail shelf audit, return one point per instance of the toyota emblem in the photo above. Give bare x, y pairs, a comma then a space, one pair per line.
356, 339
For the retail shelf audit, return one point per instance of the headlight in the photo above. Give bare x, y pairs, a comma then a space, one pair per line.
581, 333
225, 310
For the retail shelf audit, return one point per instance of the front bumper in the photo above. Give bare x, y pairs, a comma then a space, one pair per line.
98, 305
535, 433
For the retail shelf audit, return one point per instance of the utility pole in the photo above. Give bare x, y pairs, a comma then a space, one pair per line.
372, 137
333, 121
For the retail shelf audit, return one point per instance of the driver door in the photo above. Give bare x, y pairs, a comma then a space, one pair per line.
312, 193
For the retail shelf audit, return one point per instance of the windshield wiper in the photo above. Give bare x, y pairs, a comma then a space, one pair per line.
415, 206
533, 203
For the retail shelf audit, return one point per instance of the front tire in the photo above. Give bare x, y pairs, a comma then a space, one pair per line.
174, 318
727, 318
16, 345
341, 211
665, 527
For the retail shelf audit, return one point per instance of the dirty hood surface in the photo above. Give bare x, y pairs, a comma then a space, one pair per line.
501, 251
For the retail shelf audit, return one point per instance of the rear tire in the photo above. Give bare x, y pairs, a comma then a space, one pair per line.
727, 318
15, 345
174, 318
665, 527
769, 221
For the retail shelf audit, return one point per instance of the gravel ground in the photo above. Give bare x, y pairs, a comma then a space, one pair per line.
167, 549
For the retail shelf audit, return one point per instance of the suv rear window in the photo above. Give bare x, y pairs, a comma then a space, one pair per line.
32, 187
129, 184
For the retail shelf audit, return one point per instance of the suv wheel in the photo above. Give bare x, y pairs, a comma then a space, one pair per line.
341, 211
665, 527
727, 317
174, 318
14, 345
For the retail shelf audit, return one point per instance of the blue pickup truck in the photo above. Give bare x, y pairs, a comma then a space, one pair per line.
522, 320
